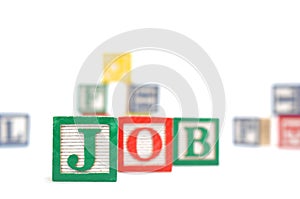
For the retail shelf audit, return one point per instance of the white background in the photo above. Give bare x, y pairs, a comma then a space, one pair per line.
253, 44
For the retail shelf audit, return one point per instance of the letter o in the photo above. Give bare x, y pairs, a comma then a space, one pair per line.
132, 144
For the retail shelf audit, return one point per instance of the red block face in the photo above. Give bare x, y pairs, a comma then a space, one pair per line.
289, 131
145, 144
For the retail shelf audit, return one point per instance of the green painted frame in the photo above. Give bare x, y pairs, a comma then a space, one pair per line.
176, 161
104, 88
113, 136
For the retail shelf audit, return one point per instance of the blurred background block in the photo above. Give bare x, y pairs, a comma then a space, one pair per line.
251, 131
92, 99
143, 99
117, 67
289, 131
286, 99
14, 129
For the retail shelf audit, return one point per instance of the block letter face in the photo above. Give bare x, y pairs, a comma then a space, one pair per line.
145, 144
84, 149
196, 141
92, 99
289, 132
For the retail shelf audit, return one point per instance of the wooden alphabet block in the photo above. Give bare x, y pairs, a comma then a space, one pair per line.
251, 131
145, 144
143, 99
92, 99
117, 67
196, 141
14, 129
289, 131
286, 99
84, 149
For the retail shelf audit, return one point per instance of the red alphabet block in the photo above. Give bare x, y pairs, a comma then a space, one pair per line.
145, 144
289, 131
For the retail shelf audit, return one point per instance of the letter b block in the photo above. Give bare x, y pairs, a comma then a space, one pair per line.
84, 149
145, 144
196, 141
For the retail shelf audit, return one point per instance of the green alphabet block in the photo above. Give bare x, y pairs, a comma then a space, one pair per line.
85, 149
196, 141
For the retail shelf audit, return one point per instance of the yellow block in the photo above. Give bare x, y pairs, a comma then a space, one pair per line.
117, 67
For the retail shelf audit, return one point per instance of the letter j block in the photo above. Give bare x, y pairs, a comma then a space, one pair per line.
84, 149
196, 141
145, 144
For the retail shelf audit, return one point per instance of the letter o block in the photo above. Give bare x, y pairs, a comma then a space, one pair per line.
145, 144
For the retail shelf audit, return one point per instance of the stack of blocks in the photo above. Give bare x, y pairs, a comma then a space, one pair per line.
92, 98
95, 148
286, 105
287, 108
